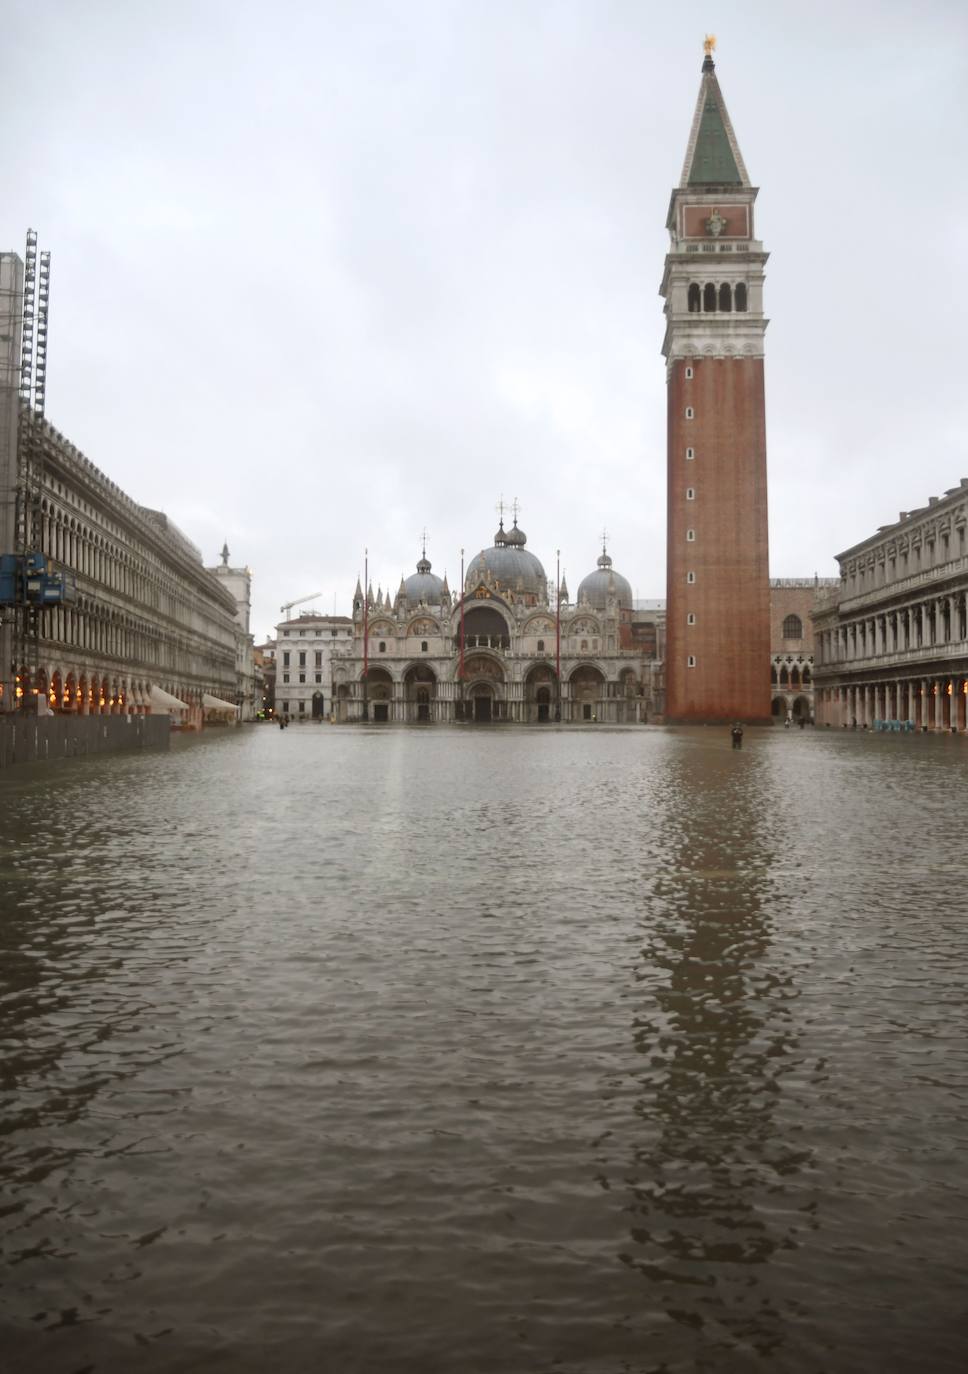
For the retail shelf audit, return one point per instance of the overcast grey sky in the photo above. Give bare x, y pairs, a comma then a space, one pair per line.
325, 274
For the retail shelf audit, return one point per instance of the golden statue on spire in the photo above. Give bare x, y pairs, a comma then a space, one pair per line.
709, 44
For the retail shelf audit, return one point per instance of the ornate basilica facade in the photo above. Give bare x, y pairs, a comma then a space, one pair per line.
509, 648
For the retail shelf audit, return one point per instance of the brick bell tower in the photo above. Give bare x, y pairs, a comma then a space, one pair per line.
717, 560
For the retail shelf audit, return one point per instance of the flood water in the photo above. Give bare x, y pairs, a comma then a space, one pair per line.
519, 1051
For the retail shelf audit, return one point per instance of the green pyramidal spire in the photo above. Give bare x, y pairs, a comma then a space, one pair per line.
713, 157
713, 160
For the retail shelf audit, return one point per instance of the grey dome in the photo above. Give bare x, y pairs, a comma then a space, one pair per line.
509, 564
603, 583
423, 585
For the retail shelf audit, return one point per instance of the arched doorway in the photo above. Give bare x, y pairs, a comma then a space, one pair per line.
540, 693
484, 688
420, 691
801, 709
379, 692
587, 693
319, 705
778, 708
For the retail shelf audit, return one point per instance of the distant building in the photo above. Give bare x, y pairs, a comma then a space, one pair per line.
238, 583
792, 603
304, 650
892, 637
265, 670
511, 647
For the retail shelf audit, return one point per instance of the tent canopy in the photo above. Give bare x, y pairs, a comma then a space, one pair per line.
211, 703
164, 701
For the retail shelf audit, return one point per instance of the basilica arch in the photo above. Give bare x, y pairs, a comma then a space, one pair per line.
420, 693
587, 691
485, 688
540, 694
379, 694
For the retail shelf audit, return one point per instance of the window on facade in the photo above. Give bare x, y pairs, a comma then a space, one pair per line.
285, 677
691, 661
584, 646
319, 659
690, 413
540, 646
688, 374
285, 659
740, 297
383, 648
302, 660
693, 297
302, 634
302, 677
423, 646
690, 536
690, 577
690, 493
691, 618
793, 627
725, 297
709, 296
302, 707
690, 453
319, 677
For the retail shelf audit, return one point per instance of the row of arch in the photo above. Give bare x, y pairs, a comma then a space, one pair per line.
793, 677
134, 575
709, 298
485, 694
782, 708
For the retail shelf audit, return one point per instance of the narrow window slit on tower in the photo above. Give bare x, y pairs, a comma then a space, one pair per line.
689, 412
690, 453
691, 536
690, 493
691, 661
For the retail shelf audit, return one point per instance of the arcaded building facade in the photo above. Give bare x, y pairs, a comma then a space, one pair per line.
147, 614
507, 650
892, 637
717, 591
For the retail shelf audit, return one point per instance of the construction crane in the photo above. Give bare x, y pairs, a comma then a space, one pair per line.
298, 602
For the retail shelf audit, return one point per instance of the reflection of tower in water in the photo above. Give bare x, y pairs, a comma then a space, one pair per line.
710, 1204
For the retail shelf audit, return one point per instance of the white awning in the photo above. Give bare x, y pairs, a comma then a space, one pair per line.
164, 701
217, 704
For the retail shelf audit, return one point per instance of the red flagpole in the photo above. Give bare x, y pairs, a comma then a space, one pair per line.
366, 629
460, 669
558, 628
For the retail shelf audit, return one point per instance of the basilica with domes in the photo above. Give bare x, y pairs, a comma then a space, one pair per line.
508, 646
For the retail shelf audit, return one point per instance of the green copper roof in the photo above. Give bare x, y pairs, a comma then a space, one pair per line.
713, 161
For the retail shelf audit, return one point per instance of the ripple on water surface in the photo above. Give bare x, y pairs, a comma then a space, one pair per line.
483, 1050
